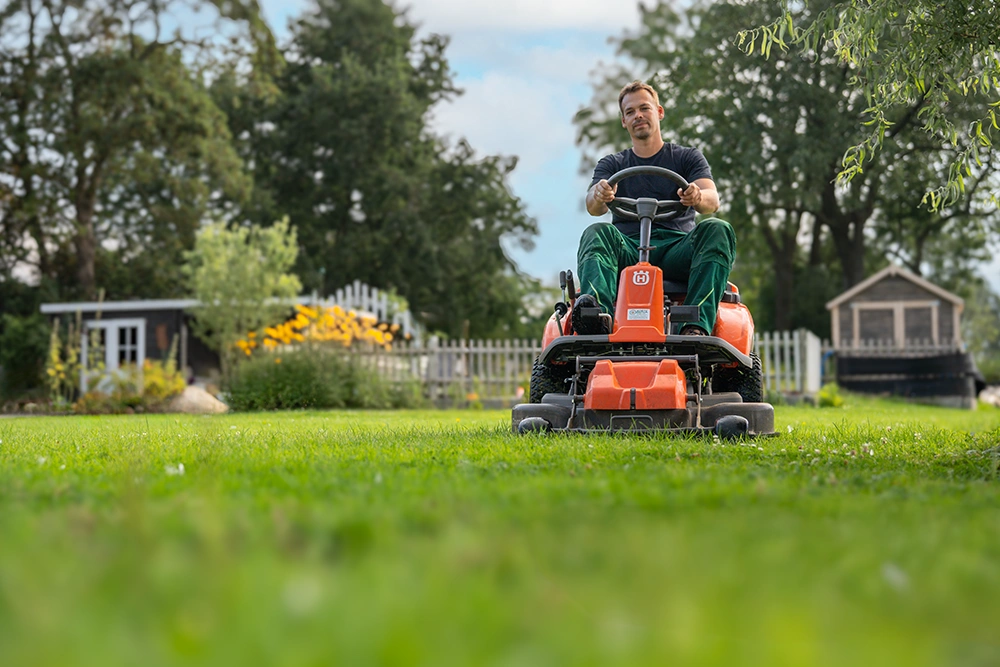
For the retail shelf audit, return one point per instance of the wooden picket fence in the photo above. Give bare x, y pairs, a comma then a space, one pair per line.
497, 372
910, 348
792, 361
491, 372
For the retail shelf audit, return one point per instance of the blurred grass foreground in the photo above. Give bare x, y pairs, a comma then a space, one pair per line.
868, 534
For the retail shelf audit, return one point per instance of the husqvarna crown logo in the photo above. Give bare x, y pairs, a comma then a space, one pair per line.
640, 277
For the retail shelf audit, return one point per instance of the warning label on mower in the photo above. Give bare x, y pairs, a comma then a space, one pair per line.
638, 313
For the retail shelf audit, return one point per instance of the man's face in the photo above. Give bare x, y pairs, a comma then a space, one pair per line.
641, 115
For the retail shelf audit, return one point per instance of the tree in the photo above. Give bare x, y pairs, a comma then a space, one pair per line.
980, 323
346, 152
772, 130
905, 54
240, 276
111, 144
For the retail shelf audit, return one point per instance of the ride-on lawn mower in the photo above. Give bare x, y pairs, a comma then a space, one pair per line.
644, 376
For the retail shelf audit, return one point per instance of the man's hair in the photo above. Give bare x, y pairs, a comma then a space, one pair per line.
635, 87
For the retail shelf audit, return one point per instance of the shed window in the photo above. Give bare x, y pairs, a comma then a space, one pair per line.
128, 345
875, 325
918, 325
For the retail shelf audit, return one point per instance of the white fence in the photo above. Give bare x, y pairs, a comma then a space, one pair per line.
494, 371
497, 371
792, 361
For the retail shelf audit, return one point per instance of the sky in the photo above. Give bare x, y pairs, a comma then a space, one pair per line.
526, 68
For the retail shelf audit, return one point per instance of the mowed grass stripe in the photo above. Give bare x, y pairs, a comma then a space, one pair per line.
856, 535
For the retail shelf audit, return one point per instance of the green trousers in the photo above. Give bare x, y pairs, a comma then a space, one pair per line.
702, 257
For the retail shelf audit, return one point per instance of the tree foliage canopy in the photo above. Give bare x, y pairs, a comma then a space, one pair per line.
345, 150
241, 277
111, 146
773, 130
125, 125
904, 54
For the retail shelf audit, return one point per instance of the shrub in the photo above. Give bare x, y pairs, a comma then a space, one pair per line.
314, 379
989, 366
24, 342
829, 396
161, 381
288, 381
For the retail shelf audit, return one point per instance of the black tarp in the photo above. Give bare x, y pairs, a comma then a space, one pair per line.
951, 374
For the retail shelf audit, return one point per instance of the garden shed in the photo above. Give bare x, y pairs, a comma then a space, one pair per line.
133, 331
897, 333
899, 310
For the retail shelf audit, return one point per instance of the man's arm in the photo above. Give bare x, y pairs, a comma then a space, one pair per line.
701, 194
598, 197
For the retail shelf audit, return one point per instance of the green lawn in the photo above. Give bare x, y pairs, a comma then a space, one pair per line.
861, 536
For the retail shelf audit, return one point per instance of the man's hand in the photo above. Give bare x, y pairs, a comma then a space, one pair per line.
701, 195
599, 196
604, 192
691, 196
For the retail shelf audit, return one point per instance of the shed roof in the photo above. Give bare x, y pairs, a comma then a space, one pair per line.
119, 306
149, 304
889, 271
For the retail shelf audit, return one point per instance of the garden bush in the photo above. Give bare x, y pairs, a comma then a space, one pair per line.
313, 379
161, 381
829, 396
23, 344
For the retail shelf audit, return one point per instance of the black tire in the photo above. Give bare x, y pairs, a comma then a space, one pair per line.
748, 383
545, 381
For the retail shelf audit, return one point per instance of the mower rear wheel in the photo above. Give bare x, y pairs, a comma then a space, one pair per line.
544, 381
747, 382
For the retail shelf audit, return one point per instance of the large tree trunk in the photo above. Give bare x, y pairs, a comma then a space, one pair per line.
86, 247
783, 246
816, 243
847, 229
784, 290
849, 241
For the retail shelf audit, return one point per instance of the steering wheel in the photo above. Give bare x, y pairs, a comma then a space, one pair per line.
666, 209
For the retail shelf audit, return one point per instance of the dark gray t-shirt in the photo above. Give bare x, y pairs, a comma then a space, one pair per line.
686, 161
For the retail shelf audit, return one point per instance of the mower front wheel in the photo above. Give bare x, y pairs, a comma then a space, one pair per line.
544, 381
747, 382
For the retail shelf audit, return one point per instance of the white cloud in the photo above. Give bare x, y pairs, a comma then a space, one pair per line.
505, 114
525, 16
526, 68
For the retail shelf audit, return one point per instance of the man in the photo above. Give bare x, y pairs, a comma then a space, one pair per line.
701, 255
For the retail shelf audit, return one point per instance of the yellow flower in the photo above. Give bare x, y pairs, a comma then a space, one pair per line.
277, 360
308, 312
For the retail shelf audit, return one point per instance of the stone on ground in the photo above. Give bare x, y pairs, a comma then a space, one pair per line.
196, 401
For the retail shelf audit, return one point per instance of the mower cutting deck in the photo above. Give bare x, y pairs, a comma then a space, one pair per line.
643, 376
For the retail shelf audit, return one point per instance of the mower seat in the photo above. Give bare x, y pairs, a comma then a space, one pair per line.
678, 290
